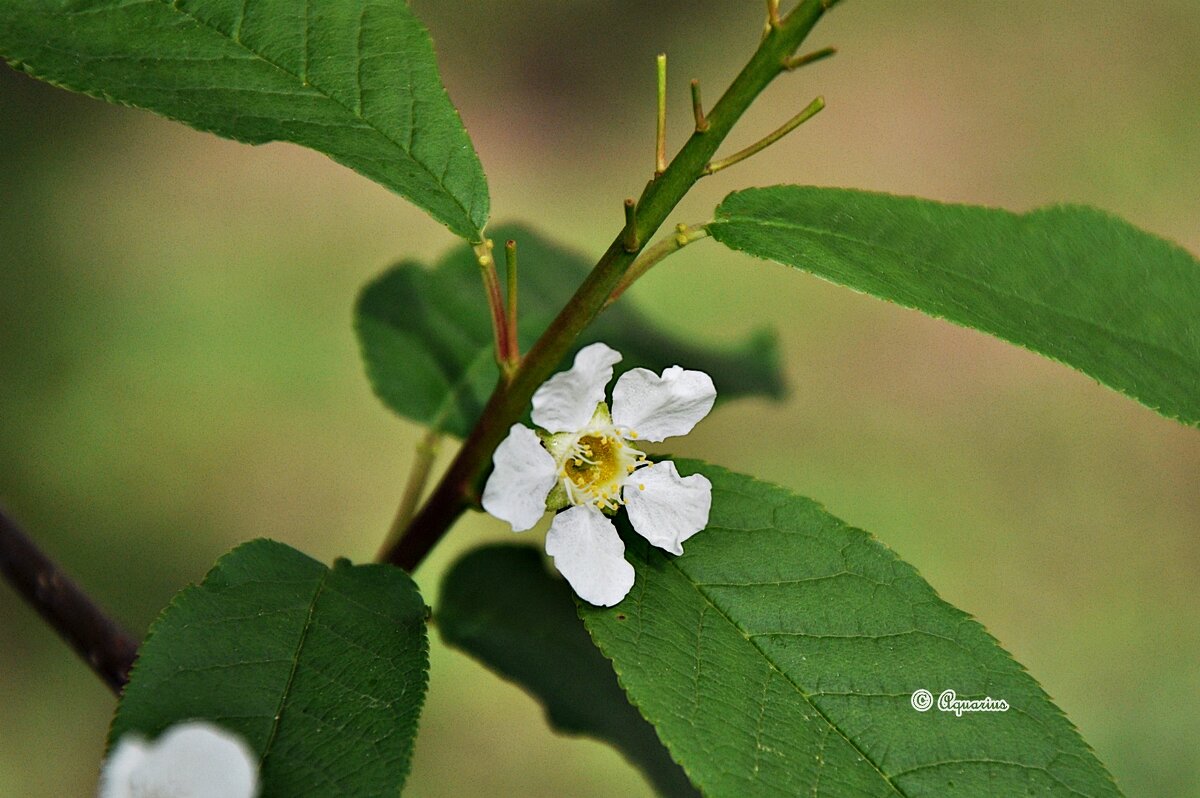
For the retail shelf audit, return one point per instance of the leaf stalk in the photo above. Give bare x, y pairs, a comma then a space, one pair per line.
683, 235
629, 236
797, 61
811, 110
510, 276
500, 326
660, 135
772, 14
698, 108
414, 486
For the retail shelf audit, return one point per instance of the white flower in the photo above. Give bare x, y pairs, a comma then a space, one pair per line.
586, 460
190, 760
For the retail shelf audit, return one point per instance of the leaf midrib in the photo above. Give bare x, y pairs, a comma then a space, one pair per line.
770, 662
698, 587
305, 82
287, 688
1110, 333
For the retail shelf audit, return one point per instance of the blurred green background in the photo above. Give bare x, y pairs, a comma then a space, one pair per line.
178, 371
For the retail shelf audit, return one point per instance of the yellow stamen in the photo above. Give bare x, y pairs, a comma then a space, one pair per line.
596, 464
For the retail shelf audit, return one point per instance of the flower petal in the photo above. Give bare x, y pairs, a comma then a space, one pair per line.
194, 759
665, 508
659, 407
566, 401
588, 551
524, 473
129, 754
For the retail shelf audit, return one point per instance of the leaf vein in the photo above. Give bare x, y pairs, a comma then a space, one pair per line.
283, 697
328, 96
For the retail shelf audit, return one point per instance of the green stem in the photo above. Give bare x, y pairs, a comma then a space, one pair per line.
458, 488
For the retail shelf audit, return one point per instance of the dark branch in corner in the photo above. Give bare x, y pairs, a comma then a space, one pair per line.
107, 648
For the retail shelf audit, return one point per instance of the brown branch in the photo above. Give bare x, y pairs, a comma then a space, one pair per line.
107, 648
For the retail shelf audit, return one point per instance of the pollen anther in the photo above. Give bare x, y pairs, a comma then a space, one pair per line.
595, 464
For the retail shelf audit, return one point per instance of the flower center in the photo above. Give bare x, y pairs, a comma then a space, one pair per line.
595, 467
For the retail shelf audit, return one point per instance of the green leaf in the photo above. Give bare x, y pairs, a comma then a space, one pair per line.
354, 79
500, 605
1073, 283
426, 334
322, 671
778, 656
